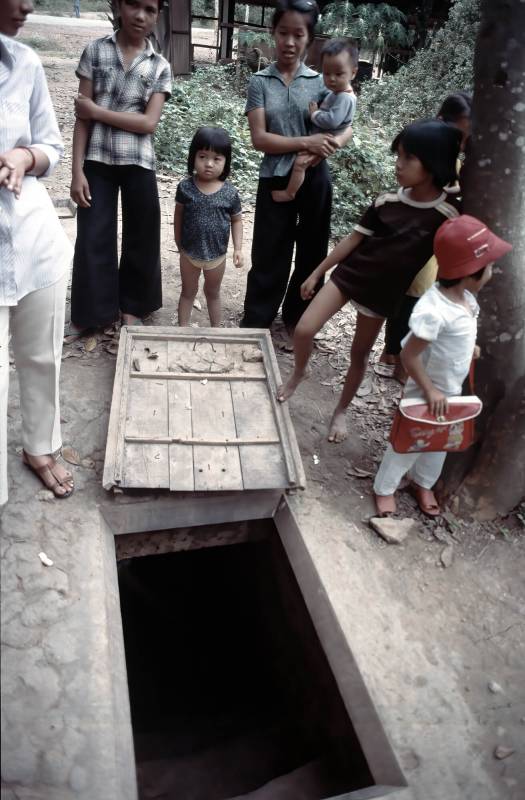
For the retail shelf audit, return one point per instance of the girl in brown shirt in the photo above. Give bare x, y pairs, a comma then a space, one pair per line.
378, 261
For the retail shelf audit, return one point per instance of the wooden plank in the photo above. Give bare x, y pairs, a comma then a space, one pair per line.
180, 426
114, 444
215, 468
292, 456
208, 421
148, 356
248, 358
147, 415
146, 466
262, 467
194, 376
192, 441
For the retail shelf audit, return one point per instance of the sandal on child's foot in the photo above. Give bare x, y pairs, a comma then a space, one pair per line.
385, 504
426, 500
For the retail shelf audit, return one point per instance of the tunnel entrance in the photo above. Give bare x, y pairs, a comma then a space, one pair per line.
231, 692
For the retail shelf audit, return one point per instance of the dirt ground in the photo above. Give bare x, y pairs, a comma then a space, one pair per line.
455, 585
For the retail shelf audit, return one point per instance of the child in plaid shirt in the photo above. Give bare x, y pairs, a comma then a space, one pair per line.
123, 86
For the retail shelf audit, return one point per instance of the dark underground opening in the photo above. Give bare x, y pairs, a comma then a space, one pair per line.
231, 692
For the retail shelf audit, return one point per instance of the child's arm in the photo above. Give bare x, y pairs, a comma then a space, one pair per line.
321, 144
238, 257
79, 186
411, 359
87, 109
177, 224
340, 252
333, 117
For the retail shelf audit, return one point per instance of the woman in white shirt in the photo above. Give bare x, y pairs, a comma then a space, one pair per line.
35, 256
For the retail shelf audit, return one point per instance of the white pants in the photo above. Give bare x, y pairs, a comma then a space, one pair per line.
37, 330
424, 468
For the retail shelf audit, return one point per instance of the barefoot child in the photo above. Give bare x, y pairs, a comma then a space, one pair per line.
207, 207
456, 110
335, 114
439, 348
123, 86
380, 258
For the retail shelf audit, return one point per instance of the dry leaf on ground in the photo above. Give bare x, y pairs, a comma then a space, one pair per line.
71, 455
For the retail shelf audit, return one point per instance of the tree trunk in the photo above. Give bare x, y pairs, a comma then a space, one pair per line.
491, 476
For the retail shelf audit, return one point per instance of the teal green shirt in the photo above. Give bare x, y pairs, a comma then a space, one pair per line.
285, 108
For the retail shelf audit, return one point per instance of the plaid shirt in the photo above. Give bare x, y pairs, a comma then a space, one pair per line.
119, 89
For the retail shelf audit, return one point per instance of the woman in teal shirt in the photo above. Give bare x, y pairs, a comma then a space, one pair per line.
277, 110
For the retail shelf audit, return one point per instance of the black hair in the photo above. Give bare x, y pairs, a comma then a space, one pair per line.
336, 46
216, 139
455, 106
159, 3
308, 8
446, 283
436, 144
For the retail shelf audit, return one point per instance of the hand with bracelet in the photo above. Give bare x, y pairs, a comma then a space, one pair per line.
14, 165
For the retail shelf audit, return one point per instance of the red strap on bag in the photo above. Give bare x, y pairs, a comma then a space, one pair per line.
415, 430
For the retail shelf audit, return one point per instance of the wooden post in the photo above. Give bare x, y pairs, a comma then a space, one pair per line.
226, 19
180, 17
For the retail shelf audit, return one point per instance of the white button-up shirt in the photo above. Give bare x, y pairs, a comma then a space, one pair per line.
34, 249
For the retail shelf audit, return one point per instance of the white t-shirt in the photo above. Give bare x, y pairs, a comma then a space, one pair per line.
451, 330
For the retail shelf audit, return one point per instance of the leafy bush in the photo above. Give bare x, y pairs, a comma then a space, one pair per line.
360, 172
376, 26
418, 88
209, 97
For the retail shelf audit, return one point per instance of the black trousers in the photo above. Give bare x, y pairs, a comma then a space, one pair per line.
304, 222
100, 288
397, 327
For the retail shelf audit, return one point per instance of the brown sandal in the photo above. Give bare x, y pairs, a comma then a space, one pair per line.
385, 504
426, 500
51, 481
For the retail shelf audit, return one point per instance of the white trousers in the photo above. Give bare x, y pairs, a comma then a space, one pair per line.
424, 469
37, 330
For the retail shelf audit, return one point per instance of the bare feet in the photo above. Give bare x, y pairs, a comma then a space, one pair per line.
287, 389
338, 431
282, 196
130, 319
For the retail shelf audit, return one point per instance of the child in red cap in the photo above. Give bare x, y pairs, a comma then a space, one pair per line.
438, 350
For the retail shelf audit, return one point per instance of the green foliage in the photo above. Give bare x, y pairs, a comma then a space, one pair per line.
360, 171
376, 26
209, 97
65, 7
445, 65
212, 96
248, 38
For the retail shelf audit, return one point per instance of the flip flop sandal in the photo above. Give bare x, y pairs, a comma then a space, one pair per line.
384, 370
137, 323
426, 500
385, 504
44, 470
72, 332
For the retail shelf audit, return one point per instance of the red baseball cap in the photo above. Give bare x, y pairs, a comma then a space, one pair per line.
464, 245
